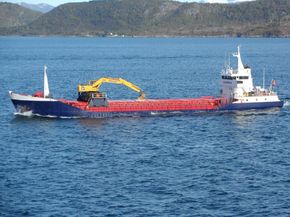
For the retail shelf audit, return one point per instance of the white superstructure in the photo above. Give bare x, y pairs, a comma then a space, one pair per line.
237, 85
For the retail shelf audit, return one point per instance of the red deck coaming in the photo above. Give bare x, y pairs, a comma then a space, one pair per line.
207, 103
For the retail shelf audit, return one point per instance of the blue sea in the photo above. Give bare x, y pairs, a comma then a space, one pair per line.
206, 164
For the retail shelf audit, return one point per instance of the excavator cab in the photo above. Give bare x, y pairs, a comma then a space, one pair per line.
94, 98
98, 99
85, 96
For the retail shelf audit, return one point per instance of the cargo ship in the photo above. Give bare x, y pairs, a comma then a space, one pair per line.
237, 93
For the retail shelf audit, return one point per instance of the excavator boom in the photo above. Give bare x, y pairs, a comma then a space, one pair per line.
94, 86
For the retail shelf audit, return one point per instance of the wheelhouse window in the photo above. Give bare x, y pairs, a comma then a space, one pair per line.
227, 77
243, 77
234, 77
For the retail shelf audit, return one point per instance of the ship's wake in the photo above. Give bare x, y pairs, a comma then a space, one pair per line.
30, 114
24, 114
286, 103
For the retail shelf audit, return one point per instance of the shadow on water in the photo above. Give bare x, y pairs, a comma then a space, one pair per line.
93, 122
250, 118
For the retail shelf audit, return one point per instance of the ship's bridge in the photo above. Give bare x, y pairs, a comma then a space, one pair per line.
236, 82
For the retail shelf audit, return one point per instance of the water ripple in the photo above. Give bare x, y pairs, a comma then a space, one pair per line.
205, 164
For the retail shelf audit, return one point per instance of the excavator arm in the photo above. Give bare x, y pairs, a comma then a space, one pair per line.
94, 86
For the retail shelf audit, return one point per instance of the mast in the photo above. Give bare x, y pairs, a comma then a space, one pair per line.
240, 63
264, 78
45, 83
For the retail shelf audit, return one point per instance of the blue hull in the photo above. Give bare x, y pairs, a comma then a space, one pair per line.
248, 106
62, 110
48, 108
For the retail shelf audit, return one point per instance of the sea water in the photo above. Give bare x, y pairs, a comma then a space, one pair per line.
206, 164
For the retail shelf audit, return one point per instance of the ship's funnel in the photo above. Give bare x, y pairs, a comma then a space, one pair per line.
45, 85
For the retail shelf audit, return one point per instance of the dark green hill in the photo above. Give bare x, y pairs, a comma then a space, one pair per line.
12, 15
163, 17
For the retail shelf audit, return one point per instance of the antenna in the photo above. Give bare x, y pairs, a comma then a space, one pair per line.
225, 60
45, 83
264, 78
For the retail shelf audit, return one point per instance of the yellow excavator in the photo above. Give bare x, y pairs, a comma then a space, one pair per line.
90, 92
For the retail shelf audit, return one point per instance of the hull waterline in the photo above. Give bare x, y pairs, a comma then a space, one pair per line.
129, 108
